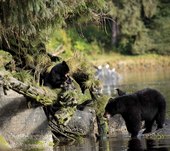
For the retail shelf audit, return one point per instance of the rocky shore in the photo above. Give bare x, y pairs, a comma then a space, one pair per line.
23, 126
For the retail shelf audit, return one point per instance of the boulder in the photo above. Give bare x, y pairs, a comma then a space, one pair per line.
84, 122
21, 126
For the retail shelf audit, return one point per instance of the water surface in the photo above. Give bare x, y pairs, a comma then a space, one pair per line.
132, 82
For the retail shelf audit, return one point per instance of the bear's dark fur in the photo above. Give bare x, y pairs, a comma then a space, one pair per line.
81, 77
57, 76
147, 104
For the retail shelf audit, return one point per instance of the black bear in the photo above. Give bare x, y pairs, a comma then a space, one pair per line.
58, 75
81, 77
57, 78
146, 105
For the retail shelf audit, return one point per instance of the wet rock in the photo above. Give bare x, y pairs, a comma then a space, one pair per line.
86, 123
117, 126
83, 122
162, 133
1, 88
22, 126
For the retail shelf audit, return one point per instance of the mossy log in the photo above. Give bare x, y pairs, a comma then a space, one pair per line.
60, 106
42, 95
47, 97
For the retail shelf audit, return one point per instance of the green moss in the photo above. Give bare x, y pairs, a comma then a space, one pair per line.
3, 143
35, 142
24, 76
35, 149
35, 145
51, 143
5, 57
100, 104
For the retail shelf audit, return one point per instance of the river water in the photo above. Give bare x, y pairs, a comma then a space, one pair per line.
131, 82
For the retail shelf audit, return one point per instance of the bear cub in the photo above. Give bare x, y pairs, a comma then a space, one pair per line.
58, 76
147, 105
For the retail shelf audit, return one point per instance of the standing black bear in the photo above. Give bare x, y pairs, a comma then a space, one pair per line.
147, 104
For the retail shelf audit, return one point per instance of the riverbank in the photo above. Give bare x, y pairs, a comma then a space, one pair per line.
125, 63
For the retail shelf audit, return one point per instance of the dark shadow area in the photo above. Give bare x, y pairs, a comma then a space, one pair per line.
151, 145
8, 110
135, 145
33, 142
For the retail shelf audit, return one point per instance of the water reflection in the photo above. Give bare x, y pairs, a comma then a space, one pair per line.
118, 144
104, 145
108, 76
131, 82
136, 145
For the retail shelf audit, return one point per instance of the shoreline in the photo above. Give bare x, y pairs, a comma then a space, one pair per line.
124, 63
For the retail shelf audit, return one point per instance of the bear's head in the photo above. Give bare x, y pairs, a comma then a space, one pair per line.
59, 75
114, 106
110, 109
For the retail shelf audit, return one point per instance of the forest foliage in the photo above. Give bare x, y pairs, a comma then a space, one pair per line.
32, 27
131, 27
34, 32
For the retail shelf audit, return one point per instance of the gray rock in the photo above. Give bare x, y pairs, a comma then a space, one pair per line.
86, 123
83, 122
163, 133
22, 126
1, 88
117, 126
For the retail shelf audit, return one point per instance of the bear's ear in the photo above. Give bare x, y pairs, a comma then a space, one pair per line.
65, 66
120, 92
64, 63
110, 100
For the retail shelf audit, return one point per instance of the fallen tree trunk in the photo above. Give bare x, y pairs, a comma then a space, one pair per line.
60, 105
42, 95
64, 108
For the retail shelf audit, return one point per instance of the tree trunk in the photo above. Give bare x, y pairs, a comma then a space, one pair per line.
42, 95
60, 106
49, 99
115, 32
